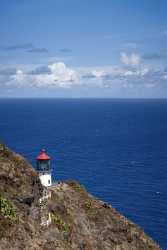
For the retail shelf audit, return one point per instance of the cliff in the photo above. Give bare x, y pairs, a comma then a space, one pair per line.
66, 218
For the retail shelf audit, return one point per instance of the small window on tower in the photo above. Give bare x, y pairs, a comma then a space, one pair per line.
48, 181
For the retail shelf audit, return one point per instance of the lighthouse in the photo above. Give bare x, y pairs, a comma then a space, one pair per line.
44, 168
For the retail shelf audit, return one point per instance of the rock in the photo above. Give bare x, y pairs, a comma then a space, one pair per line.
79, 221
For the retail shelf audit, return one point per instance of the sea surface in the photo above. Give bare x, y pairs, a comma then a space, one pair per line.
116, 148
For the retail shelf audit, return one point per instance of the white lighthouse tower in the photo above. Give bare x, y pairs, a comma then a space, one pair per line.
44, 168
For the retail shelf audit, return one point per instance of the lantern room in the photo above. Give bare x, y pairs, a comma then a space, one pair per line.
43, 161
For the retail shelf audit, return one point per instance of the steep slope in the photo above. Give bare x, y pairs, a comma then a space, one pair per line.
78, 220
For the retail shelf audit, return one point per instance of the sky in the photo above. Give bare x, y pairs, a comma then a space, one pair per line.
89, 48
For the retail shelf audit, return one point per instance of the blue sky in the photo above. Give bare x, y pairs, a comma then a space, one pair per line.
74, 48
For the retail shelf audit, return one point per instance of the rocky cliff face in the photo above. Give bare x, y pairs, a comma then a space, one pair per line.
78, 220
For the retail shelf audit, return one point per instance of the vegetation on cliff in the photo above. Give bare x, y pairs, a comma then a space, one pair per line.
78, 220
7, 210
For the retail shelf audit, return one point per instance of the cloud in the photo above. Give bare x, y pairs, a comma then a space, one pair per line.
20, 79
60, 76
23, 46
54, 75
65, 50
28, 47
38, 50
41, 70
155, 55
19, 76
88, 76
130, 60
7, 71
152, 56
61, 73
164, 77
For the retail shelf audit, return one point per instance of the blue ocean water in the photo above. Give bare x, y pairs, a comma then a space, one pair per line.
116, 148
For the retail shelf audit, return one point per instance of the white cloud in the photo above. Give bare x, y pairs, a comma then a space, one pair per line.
61, 73
144, 71
98, 73
18, 79
59, 76
130, 60
164, 77
19, 76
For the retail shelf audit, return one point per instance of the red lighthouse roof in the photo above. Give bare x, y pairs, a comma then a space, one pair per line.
43, 155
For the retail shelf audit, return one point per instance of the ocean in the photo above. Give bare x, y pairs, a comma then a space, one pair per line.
116, 148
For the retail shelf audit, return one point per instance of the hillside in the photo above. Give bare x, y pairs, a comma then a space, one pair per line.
77, 220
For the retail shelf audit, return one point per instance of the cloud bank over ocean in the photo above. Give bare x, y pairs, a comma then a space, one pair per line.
131, 73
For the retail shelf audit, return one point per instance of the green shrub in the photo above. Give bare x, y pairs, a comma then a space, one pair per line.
89, 206
62, 225
7, 209
4, 151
